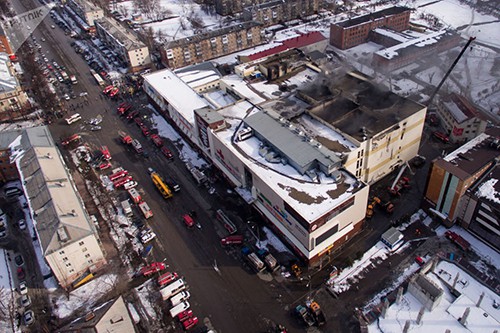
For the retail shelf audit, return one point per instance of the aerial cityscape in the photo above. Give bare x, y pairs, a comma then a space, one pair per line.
234, 166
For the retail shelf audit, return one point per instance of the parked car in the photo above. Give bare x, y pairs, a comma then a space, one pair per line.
188, 220
419, 261
29, 318
168, 154
25, 301
145, 130
20, 273
22, 224
138, 121
23, 288
19, 260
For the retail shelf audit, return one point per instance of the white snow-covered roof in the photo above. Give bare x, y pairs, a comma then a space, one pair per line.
310, 199
242, 89
8, 81
455, 111
466, 147
483, 318
392, 52
177, 92
392, 34
488, 191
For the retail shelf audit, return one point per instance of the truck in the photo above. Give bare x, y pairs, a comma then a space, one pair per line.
317, 313
198, 175
125, 138
127, 209
179, 308
269, 260
156, 140
304, 314
458, 240
137, 146
152, 268
73, 79
172, 183
253, 259
172, 289
134, 195
118, 175
180, 297
98, 78
146, 211
160, 185
226, 222
122, 181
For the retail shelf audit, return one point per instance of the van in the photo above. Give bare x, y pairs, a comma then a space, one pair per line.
74, 118
179, 308
230, 240
179, 298
172, 289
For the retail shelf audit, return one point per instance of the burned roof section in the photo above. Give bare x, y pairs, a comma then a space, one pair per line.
356, 103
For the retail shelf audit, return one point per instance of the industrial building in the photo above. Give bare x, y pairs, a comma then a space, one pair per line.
68, 239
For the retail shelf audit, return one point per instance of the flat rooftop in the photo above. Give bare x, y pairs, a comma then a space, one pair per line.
120, 33
470, 157
373, 16
177, 92
310, 199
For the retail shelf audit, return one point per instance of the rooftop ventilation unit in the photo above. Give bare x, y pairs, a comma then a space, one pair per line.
263, 150
337, 176
312, 174
73, 213
49, 156
62, 234
244, 134
272, 157
60, 184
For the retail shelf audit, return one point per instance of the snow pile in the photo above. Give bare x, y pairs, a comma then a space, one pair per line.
487, 190
186, 153
272, 240
147, 295
85, 296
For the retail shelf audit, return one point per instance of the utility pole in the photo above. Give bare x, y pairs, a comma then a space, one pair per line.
471, 39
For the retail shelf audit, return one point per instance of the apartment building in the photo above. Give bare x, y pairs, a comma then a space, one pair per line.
69, 242
87, 12
199, 48
356, 31
450, 178
124, 42
13, 99
230, 7
8, 169
461, 120
277, 11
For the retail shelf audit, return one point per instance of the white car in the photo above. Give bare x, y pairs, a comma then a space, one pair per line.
29, 318
23, 288
22, 224
146, 236
25, 301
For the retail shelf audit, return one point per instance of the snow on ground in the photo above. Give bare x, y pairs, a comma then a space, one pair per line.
85, 296
186, 153
343, 281
177, 25
147, 295
133, 313
272, 240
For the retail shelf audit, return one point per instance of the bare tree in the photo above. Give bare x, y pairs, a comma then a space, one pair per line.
196, 21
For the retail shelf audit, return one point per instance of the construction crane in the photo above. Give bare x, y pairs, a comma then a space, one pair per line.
471, 39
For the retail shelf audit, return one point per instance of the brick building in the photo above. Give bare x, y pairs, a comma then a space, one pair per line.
8, 170
229, 7
356, 31
277, 11
13, 99
212, 44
